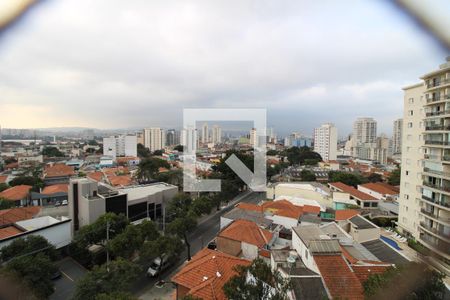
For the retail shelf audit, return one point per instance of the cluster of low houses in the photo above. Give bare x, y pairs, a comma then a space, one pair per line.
324, 257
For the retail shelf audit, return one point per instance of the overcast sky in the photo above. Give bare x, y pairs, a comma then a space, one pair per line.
120, 64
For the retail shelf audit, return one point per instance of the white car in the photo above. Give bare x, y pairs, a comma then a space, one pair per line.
156, 267
64, 202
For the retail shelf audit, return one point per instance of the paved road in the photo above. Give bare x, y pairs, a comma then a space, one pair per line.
199, 238
71, 271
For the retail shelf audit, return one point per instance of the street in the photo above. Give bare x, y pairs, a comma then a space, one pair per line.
199, 238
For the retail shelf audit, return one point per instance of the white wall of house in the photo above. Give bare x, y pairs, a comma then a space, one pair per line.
303, 252
364, 235
285, 221
372, 193
249, 251
224, 222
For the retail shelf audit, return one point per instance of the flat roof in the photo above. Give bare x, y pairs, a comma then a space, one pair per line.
139, 191
384, 252
361, 222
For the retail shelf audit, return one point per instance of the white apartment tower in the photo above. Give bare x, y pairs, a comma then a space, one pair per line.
216, 134
154, 138
424, 210
364, 131
397, 136
253, 136
121, 145
325, 141
205, 133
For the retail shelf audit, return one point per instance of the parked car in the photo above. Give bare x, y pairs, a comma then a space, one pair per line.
212, 245
64, 202
156, 267
57, 203
56, 275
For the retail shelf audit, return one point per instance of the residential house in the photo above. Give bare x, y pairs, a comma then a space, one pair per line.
20, 194
342, 193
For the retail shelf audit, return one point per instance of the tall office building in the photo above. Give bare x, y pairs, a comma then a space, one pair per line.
121, 145
325, 141
424, 204
205, 133
216, 134
397, 136
154, 138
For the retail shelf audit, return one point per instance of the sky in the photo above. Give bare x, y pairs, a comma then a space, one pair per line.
125, 64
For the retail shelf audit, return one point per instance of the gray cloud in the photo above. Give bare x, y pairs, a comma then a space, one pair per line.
116, 64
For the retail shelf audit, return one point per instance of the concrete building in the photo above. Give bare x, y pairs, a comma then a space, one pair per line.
424, 210
364, 131
205, 133
154, 138
172, 137
140, 137
253, 137
121, 145
216, 135
325, 141
89, 199
397, 136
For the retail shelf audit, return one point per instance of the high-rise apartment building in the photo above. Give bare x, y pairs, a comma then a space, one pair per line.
397, 136
424, 210
205, 133
154, 138
364, 131
216, 134
121, 145
253, 136
325, 141
172, 137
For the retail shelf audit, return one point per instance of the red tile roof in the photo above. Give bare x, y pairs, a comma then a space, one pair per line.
9, 231
364, 270
59, 170
352, 191
381, 188
122, 180
13, 215
345, 214
341, 281
97, 176
206, 274
248, 232
311, 209
16, 193
3, 178
56, 188
283, 208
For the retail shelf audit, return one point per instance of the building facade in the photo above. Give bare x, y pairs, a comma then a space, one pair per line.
121, 145
397, 136
325, 141
216, 135
425, 183
154, 138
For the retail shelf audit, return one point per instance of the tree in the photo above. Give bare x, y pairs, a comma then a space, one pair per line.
394, 178
272, 152
3, 186
95, 233
256, 281
307, 175
202, 206
27, 245
374, 177
148, 230
142, 151
347, 178
36, 272
298, 156
158, 152
148, 168
101, 281
412, 281
34, 181
13, 287
5, 204
52, 152
115, 296
174, 177
179, 205
126, 243
181, 227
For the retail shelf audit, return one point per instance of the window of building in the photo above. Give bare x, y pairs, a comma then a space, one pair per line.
407, 173
411, 112
410, 124
411, 100
406, 196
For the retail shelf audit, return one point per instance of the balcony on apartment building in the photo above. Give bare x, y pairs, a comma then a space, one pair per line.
437, 113
440, 231
437, 127
438, 82
436, 157
436, 214
444, 173
435, 243
444, 202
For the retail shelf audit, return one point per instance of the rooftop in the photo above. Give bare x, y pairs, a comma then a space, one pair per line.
58, 170
138, 191
384, 252
250, 215
56, 188
12, 215
381, 188
352, 191
248, 232
207, 272
361, 222
16, 193
345, 214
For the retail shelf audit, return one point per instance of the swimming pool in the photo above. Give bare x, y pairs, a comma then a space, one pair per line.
391, 242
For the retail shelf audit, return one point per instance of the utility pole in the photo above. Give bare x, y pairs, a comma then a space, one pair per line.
107, 250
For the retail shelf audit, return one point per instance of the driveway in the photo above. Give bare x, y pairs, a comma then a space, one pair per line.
71, 271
